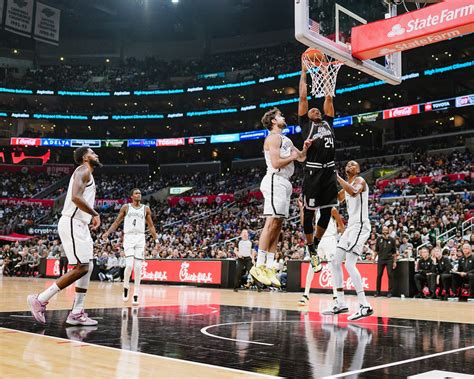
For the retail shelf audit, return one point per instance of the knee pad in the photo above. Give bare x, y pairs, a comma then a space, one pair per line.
325, 216
308, 216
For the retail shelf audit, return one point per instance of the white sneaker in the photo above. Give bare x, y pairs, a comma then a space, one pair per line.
135, 300
337, 308
125, 294
304, 300
364, 311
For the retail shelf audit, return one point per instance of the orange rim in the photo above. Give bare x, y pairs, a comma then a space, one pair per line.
314, 51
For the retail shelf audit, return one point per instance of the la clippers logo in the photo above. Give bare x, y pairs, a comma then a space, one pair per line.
199, 277
325, 280
161, 276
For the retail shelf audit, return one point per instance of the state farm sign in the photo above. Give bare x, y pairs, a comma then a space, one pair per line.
182, 271
434, 23
401, 112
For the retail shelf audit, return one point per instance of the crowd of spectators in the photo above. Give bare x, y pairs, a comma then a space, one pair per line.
25, 185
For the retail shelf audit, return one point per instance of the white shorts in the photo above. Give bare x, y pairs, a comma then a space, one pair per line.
134, 245
327, 248
76, 239
276, 192
354, 238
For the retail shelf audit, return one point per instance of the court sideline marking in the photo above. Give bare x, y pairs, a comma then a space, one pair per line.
182, 361
399, 362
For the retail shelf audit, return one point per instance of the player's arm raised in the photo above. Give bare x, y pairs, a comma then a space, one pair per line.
273, 144
81, 178
303, 103
352, 189
302, 153
341, 196
117, 222
151, 226
340, 223
328, 106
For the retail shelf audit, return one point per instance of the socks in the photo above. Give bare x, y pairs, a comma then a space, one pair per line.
309, 279
138, 276
340, 295
48, 293
362, 299
128, 272
78, 302
261, 256
270, 260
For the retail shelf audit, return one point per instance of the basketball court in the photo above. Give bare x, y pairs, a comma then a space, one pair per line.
183, 331
197, 332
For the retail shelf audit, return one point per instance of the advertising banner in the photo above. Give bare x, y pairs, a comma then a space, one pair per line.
464, 101
368, 272
41, 230
209, 199
425, 179
86, 142
141, 142
409, 110
15, 201
52, 267
49, 169
182, 271
169, 142
20, 141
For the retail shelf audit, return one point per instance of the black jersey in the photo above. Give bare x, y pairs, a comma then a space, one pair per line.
323, 150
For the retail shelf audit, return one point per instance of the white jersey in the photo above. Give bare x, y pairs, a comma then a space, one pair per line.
70, 209
285, 151
245, 248
358, 207
134, 222
331, 230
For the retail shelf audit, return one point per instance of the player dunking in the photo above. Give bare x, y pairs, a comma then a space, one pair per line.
73, 229
326, 249
319, 182
276, 189
134, 217
355, 193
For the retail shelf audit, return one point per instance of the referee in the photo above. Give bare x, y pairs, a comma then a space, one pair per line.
387, 251
245, 260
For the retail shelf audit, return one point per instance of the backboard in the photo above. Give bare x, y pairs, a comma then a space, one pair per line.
327, 24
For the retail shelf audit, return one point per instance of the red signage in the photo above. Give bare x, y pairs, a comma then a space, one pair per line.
428, 107
434, 23
20, 141
52, 267
323, 280
15, 201
180, 271
424, 179
169, 142
210, 199
401, 112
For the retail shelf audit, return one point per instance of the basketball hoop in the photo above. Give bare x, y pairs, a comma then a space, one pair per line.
323, 70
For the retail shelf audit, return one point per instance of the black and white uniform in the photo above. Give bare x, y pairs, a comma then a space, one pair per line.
73, 226
134, 232
319, 182
358, 227
276, 187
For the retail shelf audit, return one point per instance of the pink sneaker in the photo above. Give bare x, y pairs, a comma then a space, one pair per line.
37, 308
80, 318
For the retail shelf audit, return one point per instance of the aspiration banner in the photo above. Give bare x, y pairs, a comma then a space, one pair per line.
47, 23
19, 17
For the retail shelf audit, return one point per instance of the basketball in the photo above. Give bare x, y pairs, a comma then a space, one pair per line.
315, 56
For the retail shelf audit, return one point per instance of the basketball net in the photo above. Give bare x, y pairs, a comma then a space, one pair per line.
323, 70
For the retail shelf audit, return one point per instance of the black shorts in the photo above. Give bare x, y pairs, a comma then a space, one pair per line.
319, 188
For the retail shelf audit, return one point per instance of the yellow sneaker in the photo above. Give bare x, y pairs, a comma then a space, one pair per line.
260, 275
316, 263
271, 274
